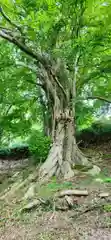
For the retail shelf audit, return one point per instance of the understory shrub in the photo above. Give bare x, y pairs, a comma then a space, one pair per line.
101, 127
15, 152
98, 132
39, 146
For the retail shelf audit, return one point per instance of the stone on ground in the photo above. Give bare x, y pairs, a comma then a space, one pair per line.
94, 171
30, 193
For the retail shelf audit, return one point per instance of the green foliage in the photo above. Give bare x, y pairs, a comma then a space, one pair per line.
100, 128
39, 146
56, 186
61, 29
107, 208
15, 152
4, 152
52, 187
97, 128
107, 180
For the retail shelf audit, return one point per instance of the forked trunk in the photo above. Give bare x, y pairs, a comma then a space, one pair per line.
64, 153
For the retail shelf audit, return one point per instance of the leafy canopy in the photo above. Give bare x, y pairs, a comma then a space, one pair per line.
60, 29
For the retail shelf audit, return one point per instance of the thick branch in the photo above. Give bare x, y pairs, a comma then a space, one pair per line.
8, 20
23, 47
32, 68
41, 59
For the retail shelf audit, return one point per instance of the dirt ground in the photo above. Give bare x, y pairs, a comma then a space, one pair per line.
47, 224
61, 227
38, 225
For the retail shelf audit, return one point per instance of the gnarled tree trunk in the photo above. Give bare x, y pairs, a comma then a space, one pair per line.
64, 153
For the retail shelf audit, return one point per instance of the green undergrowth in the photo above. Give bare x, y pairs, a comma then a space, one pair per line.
104, 179
49, 189
98, 128
105, 175
10, 208
37, 145
107, 180
107, 208
107, 156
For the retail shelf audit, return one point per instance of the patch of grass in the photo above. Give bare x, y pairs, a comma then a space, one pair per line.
107, 156
5, 181
46, 236
22, 217
25, 172
104, 174
104, 179
85, 182
52, 187
107, 180
82, 168
107, 208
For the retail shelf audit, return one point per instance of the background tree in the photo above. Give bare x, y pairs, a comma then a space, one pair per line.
67, 41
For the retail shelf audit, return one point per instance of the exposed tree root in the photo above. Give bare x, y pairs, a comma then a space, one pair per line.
88, 209
18, 185
73, 192
64, 201
64, 153
56, 165
60, 201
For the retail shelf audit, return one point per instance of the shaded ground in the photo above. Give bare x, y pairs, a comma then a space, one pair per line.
59, 228
6, 165
47, 224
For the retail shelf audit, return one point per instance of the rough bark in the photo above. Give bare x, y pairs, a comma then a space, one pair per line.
64, 153
46, 117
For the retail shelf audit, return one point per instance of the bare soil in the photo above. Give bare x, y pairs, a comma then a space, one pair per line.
47, 224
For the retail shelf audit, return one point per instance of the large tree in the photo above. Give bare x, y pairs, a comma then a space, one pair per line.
68, 42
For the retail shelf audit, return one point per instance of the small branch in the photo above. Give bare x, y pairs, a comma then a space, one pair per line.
100, 98
8, 20
31, 81
88, 209
6, 29
79, 142
95, 98
75, 74
58, 83
22, 64
40, 85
